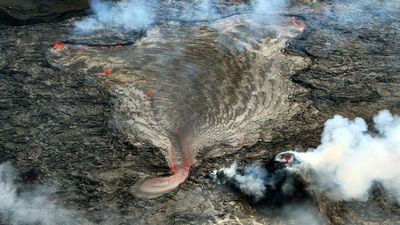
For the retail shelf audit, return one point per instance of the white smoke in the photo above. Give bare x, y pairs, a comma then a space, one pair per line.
203, 10
251, 180
140, 14
350, 159
256, 182
265, 10
126, 14
303, 213
30, 207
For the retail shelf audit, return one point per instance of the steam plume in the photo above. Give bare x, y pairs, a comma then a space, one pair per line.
126, 14
275, 192
256, 181
350, 159
30, 207
140, 14
251, 180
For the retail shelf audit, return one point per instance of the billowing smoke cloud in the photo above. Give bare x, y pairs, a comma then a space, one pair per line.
350, 159
346, 166
140, 14
30, 207
256, 181
276, 193
251, 180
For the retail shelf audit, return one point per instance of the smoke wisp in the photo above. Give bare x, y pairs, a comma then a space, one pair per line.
126, 14
275, 191
350, 159
257, 182
140, 14
30, 207
251, 180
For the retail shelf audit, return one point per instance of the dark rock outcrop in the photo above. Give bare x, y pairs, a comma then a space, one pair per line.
24, 12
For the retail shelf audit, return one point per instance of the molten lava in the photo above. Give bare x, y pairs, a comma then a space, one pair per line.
287, 158
107, 72
58, 45
149, 93
301, 26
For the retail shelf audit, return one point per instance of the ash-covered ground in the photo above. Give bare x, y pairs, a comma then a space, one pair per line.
64, 160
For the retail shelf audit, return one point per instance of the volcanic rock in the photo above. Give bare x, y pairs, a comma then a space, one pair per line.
58, 126
22, 12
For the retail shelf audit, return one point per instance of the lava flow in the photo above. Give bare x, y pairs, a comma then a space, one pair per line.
157, 186
214, 87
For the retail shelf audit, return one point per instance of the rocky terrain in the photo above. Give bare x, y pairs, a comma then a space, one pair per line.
58, 126
24, 12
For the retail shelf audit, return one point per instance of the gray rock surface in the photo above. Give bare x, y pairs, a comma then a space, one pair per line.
57, 127
22, 12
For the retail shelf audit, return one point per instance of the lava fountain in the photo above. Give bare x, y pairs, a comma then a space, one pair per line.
186, 87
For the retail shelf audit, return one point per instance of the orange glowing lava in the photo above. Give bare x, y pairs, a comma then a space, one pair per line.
173, 168
58, 45
288, 158
149, 93
301, 26
107, 72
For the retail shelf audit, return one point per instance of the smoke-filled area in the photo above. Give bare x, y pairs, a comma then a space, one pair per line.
140, 14
347, 164
251, 180
350, 158
273, 190
33, 206
258, 182
124, 14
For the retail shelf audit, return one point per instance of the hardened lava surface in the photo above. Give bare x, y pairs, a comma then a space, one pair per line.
72, 128
195, 86
23, 12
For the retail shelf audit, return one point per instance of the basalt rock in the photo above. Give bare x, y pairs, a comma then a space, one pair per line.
30, 12
58, 126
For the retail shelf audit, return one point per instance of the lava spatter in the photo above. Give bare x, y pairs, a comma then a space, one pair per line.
58, 45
